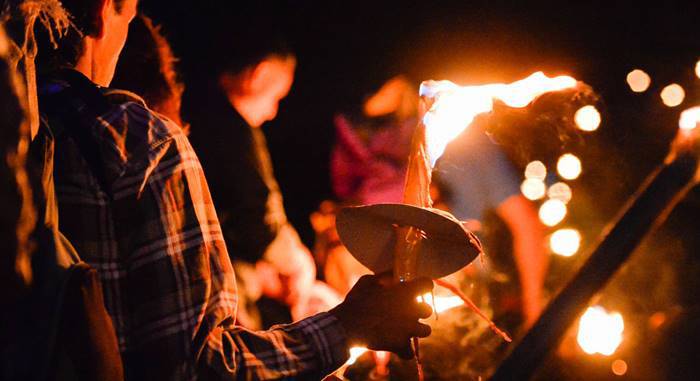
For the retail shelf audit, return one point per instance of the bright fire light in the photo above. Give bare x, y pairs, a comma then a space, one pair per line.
565, 242
552, 212
673, 95
587, 118
533, 189
442, 303
638, 80
690, 118
697, 69
355, 353
560, 191
600, 331
455, 107
569, 166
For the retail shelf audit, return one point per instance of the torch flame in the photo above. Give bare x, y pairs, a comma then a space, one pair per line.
455, 107
690, 118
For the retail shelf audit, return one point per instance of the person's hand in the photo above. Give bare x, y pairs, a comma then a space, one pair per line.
382, 315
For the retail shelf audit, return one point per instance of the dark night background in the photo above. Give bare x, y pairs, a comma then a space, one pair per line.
345, 49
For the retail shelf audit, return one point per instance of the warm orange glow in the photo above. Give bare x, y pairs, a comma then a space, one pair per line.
442, 303
697, 69
533, 189
455, 107
638, 81
587, 118
600, 331
569, 166
690, 118
560, 191
552, 212
535, 170
565, 242
355, 353
619, 367
673, 95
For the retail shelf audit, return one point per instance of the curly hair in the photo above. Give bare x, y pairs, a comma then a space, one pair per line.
147, 67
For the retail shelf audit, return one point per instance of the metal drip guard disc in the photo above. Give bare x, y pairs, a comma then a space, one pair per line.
369, 233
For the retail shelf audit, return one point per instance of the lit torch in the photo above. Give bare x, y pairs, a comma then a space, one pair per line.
664, 188
425, 241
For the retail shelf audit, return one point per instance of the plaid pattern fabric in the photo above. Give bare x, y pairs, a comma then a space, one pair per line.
147, 223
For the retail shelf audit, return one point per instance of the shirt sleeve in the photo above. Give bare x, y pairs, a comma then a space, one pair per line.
179, 286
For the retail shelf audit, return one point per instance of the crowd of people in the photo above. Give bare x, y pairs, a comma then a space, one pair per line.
148, 236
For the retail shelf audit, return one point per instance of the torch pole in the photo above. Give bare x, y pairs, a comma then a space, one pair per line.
646, 209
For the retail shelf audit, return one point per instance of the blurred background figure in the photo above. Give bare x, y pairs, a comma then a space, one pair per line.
147, 67
235, 93
473, 177
476, 178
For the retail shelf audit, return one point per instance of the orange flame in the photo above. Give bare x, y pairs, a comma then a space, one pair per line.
455, 107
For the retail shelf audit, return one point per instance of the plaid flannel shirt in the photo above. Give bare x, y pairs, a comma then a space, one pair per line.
141, 214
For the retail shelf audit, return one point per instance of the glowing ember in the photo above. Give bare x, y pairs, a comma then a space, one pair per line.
569, 166
552, 212
442, 303
535, 170
690, 118
560, 191
455, 107
355, 353
673, 95
638, 81
619, 367
565, 242
587, 118
600, 331
533, 189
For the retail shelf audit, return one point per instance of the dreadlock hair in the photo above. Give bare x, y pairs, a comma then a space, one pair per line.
17, 212
64, 52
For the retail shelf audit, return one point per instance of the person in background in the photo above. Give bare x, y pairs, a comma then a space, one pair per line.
227, 110
477, 177
472, 177
134, 201
147, 67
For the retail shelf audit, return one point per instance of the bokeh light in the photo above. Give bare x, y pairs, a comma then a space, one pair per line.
552, 212
638, 80
690, 118
697, 69
587, 118
533, 189
565, 242
560, 191
600, 331
535, 170
673, 95
569, 166
619, 367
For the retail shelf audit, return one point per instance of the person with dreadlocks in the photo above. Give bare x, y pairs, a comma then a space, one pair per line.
55, 325
133, 199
